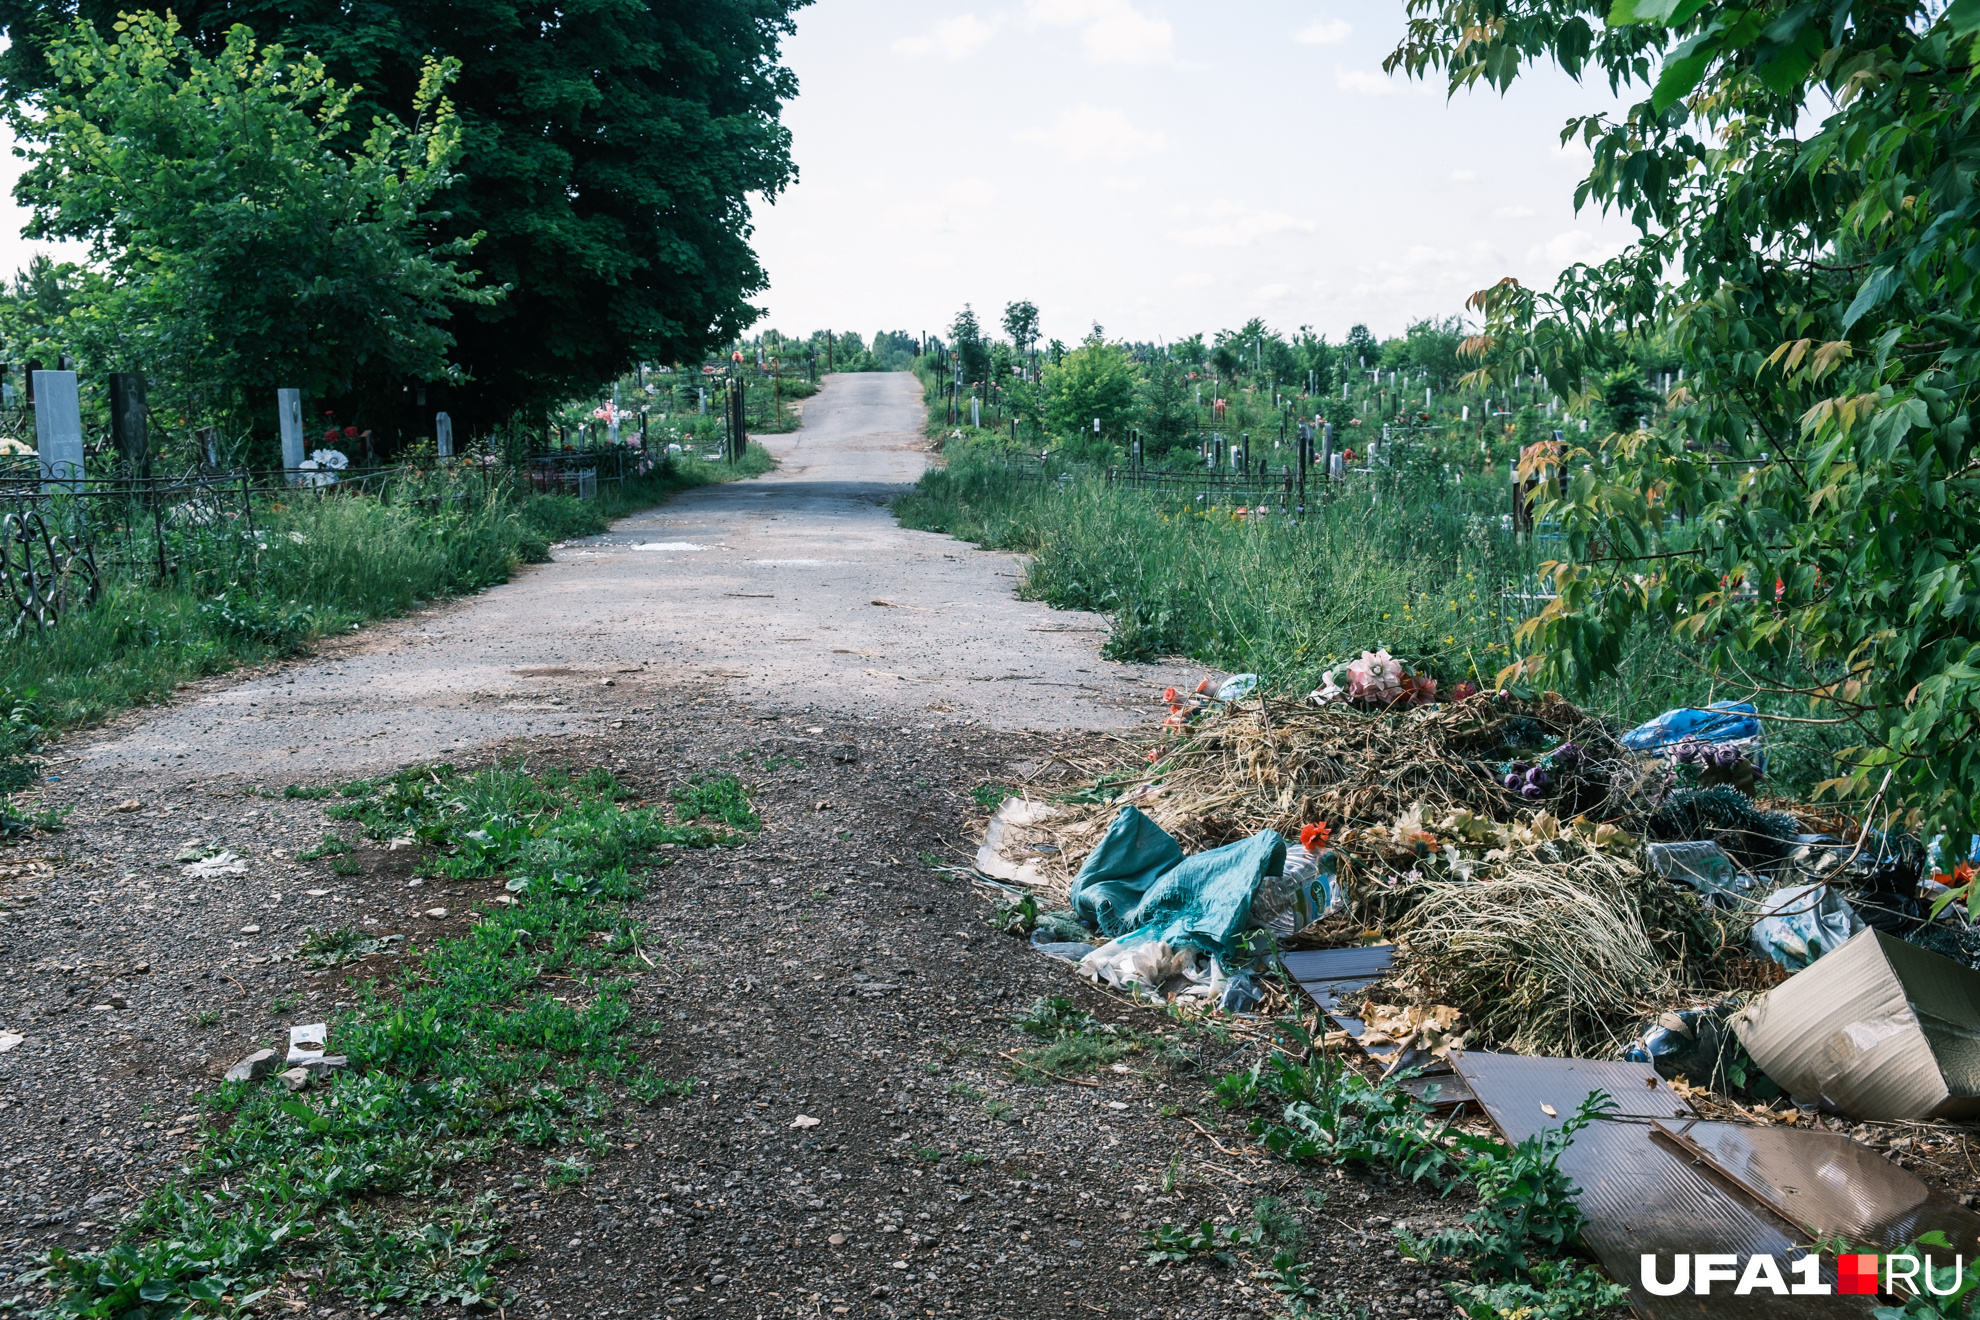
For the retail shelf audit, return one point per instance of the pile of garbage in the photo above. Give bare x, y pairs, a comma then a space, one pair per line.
1539, 883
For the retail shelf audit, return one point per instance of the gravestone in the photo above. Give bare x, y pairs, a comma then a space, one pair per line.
58, 429
443, 435
288, 406
127, 422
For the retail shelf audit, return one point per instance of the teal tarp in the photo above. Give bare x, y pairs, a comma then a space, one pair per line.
1138, 884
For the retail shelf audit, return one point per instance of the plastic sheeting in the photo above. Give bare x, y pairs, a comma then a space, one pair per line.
1138, 885
1734, 722
1799, 924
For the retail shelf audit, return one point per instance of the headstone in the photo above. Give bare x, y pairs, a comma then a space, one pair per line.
127, 422
288, 409
58, 428
443, 435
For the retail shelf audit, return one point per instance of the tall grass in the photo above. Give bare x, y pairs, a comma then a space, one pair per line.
319, 565
1411, 560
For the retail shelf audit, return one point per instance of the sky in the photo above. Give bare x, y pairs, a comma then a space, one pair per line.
1159, 168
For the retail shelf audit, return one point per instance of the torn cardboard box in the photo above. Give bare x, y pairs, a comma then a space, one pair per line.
1878, 1029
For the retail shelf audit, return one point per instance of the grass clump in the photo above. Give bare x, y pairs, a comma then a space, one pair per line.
1074, 1041
1416, 558
348, 1190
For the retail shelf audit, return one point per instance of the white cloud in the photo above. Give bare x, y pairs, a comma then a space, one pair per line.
1325, 32
1464, 176
1514, 213
1194, 279
1235, 226
1363, 83
1113, 31
1271, 292
1563, 250
1088, 132
954, 38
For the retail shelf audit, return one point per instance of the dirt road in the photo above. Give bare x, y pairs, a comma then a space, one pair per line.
797, 590
824, 968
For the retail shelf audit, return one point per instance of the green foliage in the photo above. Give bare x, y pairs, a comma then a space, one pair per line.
1075, 1042
20, 735
616, 245
1525, 1220
1948, 1291
1526, 1206
1094, 381
1558, 1290
1803, 177
1167, 1244
249, 235
719, 798
1015, 916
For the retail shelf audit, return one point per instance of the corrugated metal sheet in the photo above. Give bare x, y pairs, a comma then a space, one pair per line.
1830, 1185
1640, 1198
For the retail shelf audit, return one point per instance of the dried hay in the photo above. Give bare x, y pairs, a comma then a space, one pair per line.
1546, 958
1281, 764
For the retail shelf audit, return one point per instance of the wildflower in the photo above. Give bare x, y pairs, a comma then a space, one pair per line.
1315, 836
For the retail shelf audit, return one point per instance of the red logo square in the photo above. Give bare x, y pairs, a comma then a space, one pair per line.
1857, 1276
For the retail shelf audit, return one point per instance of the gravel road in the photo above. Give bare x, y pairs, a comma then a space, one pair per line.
824, 968
796, 590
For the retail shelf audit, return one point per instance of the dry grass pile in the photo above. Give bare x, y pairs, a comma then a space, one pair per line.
1280, 765
1547, 957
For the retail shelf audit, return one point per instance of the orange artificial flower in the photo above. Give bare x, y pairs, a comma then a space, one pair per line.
1313, 837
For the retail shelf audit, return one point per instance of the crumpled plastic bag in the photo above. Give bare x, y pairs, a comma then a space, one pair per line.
1801, 923
1148, 966
1702, 864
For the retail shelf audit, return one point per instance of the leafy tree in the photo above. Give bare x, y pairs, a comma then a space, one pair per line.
609, 152
1021, 324
1095, 380
1359, 348
968, 344
1431, 346
240, 253
1804, 178
1166, 406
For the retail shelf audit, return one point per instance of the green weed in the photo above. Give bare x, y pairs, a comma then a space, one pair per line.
1166, 1244
329, 846
346, 866
718, 798
928, 1153
347, 944
990, 796
314, 794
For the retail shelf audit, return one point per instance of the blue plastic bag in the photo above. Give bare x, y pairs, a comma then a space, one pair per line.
1721, 722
